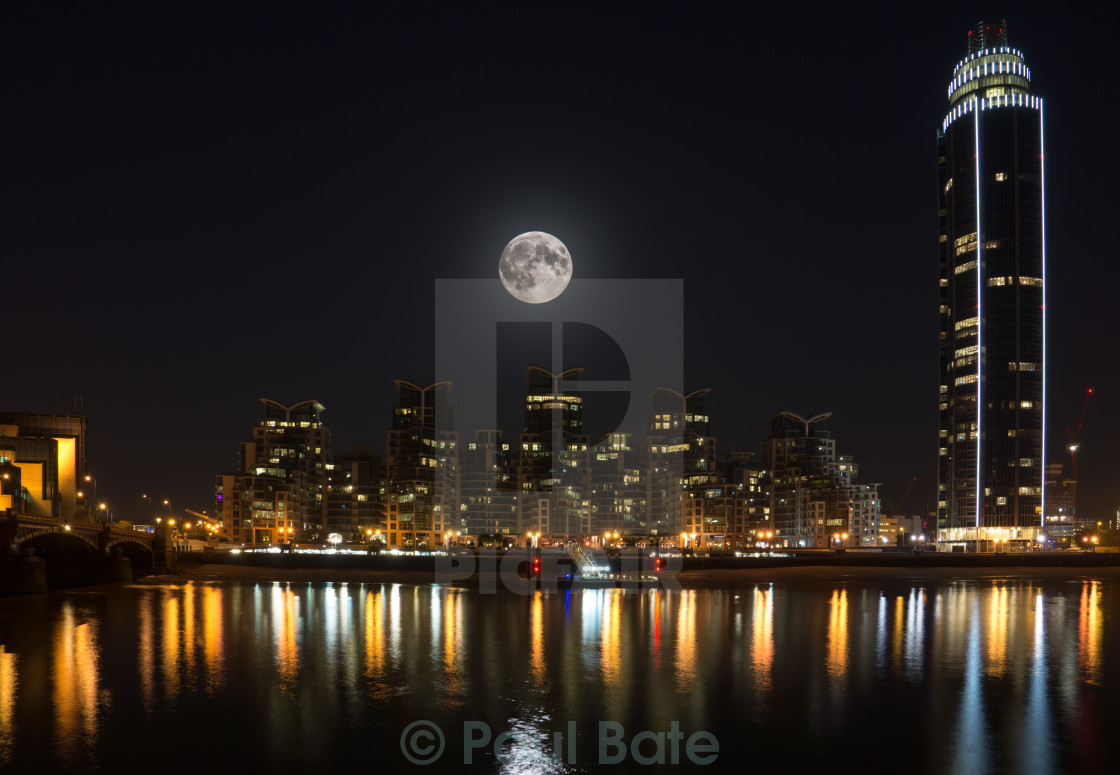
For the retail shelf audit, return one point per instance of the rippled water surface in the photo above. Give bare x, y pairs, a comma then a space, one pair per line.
964, 676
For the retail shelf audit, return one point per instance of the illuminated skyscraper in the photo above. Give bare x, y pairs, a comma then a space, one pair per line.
992, 316
277, 493
553, 471
422, 468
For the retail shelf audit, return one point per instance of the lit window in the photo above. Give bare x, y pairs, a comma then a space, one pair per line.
1027, 404
1001, 176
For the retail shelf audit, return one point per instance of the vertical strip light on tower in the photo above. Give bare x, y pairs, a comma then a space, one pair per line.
979, 322
992, 391
1042, 165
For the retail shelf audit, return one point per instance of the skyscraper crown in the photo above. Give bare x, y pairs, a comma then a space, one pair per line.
987, 35
992, 72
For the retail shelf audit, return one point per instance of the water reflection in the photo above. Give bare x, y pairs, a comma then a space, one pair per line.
898, 640
838, 634
285, 614
685, 663
455, 645
762, 638
9, 682
76, 657
1089, 632
1014, 673
213, 639
536, 649
915, 634
997, 630
145, 654
1038, 725
970, 744
611, 648
375, 634
169, 664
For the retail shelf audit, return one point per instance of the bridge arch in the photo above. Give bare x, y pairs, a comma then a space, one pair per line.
54, 542
139, 553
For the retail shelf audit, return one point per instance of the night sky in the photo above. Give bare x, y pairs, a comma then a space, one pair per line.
206, 205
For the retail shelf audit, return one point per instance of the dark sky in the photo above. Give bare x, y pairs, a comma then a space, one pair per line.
205, 205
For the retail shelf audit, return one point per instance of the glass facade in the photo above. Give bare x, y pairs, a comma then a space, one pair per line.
991, 333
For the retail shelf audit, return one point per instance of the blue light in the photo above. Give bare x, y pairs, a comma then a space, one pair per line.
1042, 162
979, 340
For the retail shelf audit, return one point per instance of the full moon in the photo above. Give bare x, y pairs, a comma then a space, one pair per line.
535, 267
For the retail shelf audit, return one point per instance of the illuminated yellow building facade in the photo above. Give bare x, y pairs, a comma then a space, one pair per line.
42, 460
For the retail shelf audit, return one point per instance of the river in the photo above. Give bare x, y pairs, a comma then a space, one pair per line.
880, 675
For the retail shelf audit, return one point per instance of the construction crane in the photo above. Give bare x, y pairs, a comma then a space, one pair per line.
1075, 435
203, 517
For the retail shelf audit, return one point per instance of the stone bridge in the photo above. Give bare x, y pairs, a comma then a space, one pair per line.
79, 553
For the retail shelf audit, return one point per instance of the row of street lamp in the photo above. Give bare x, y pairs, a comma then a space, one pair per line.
104, 508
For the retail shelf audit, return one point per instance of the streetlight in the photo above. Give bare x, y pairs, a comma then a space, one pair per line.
104, 512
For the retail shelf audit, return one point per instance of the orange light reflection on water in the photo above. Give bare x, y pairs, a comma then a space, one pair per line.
685, 660
213, 638
837, 660
998, 613
76, 672
9, 685
536, 641
762, 638
285, 610
1089, 633
611, 655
